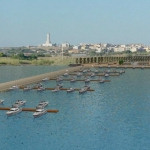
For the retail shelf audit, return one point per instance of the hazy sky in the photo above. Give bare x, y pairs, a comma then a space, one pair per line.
26, 22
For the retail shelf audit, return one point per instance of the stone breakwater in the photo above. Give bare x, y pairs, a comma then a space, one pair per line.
34, 79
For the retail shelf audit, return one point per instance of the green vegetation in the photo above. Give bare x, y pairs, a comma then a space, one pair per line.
120, 62
39, 61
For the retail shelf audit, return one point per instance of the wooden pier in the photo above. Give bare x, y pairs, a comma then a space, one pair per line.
100, 74
82, 80
61, 89
31, 109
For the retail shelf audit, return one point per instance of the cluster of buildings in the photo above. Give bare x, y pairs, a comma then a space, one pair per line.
48, 48
98, 48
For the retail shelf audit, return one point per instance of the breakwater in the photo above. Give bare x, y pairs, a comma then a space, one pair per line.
34, 79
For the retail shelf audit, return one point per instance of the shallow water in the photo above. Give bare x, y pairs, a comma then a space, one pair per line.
113, 117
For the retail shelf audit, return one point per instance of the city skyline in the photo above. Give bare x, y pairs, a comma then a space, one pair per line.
82, 21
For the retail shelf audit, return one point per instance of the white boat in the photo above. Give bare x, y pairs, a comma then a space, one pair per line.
13, 111
60, 85
73, 80
27, 88
1, 101
79, 74
101, 80
70, 90
66, 74
121, 71
84, 71
59, 79
19, 103
39, 112
45, 79
87, 80
42, 104
87, 87
83, 90
14, 87
106, 75
41, 89
96, 71
92, 74
56, 89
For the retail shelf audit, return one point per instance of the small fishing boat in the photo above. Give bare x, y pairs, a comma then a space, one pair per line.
79, 74
92, 74
56, 89
41, 89
96, 71
66, 74
73, 80
87, 87
101, 80
70, 90
106, 75
59, 85
42, 104
19, 103
58, 79
14, 87
1, 101
45, 79
27, 88
83, 90
13, 111
84, 71
39, 112
87, 80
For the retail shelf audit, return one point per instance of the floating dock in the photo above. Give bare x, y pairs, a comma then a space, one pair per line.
81, 80
101, 74
31, 109
61, 89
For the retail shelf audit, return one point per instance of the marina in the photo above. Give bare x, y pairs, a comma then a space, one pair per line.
71, 115
30, 109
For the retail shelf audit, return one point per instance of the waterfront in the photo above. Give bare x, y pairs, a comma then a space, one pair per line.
114, 116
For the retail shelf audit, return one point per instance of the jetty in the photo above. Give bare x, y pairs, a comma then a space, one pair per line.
31, 109
61, 89
80, 80
35, 79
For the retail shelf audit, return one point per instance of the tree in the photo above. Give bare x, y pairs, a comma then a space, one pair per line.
120, 62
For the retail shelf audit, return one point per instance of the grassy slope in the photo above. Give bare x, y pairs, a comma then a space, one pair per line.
40, 61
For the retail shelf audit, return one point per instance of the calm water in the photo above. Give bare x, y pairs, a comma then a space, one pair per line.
114, 117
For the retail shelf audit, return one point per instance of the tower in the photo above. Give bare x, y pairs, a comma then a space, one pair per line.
48, 42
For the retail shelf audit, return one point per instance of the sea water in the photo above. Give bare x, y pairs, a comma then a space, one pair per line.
116, 116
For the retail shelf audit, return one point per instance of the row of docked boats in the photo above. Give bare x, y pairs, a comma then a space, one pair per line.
16, 108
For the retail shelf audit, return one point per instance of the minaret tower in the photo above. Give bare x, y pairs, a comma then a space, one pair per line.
48, 42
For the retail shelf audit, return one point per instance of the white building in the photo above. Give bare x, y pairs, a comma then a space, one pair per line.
65, 45
48, 42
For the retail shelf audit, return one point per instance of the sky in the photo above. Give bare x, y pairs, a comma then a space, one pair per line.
26, 22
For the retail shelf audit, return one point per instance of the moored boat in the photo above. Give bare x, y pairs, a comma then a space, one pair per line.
106, 75
14, 87
56, 89
1, 101
70, 90
83, 90
41, 89
13, 111
45, 79
39, 112
19, 103
42, 104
